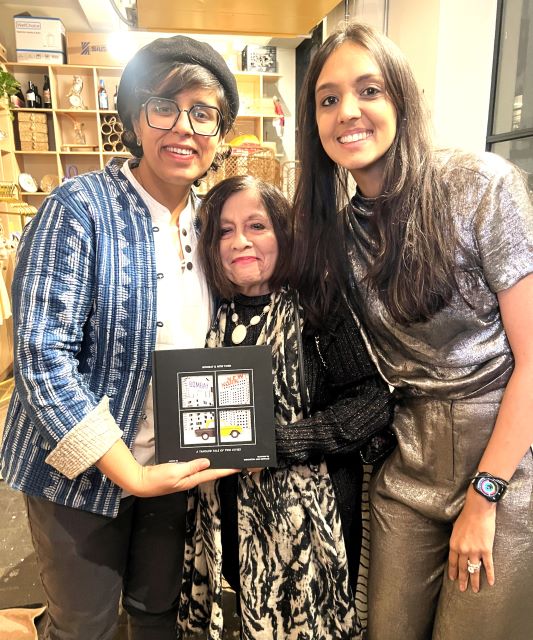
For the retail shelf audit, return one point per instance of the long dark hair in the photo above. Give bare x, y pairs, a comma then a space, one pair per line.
279, 213
414, 267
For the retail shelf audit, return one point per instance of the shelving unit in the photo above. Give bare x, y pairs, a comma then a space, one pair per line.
65, 157
69, 151
256, 113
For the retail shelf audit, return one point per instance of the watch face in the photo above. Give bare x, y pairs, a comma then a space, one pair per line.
489, 487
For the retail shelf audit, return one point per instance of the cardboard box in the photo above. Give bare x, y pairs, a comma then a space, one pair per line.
93, 49
32, 145
44, 57
30, 116
259, 58
39, 39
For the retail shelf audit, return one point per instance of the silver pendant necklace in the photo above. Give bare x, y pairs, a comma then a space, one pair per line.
239, 332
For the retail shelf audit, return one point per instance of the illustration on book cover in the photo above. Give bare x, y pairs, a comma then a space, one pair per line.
215, 403
208, 422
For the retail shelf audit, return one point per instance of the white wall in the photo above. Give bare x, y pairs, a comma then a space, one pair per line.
450, 45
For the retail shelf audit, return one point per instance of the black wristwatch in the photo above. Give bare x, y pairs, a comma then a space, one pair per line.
489, 486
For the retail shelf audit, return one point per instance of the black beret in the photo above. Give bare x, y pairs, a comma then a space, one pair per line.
175, 50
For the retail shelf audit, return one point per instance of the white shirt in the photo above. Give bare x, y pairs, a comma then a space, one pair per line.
183, 300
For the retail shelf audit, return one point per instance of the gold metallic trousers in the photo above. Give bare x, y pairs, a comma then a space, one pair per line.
415, 498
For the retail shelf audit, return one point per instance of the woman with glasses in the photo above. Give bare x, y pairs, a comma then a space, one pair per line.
107, 273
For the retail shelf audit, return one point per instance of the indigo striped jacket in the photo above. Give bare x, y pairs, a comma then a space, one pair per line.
84, 300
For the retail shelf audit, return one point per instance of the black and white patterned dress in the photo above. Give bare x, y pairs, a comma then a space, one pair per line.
283, 542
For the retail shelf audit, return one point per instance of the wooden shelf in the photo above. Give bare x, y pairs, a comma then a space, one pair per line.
31, 109
255, 90
35, 153
75, 112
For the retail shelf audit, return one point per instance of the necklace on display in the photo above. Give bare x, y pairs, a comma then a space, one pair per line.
239, 332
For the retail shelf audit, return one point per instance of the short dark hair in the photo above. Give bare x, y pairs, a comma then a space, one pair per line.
279, 213
165, 81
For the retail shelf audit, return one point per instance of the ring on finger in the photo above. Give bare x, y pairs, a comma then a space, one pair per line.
473, 567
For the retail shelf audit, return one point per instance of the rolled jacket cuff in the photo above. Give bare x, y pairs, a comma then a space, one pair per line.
86, 443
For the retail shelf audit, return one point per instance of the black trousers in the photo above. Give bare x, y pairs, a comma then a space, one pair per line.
87, 561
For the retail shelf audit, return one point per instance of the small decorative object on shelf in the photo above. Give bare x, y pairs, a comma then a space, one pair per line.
71, 171
79, 134
80, 141
111, 130
259, 58
103, 100
27, 183
279, 122
74, 95
48, 183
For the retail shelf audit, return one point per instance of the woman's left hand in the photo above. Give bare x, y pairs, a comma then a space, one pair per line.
472, 541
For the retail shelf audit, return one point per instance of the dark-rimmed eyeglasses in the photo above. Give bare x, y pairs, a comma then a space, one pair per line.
163, 113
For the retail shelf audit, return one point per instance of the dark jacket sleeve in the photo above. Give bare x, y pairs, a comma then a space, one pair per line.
349, 401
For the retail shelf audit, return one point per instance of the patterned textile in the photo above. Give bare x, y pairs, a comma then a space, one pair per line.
293, 565
84, 305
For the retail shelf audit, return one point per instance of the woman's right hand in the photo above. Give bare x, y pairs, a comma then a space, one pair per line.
119, 465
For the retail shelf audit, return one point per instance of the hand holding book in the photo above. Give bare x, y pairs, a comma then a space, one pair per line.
120, 467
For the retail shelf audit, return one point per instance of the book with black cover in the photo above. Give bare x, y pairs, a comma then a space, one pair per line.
216, 404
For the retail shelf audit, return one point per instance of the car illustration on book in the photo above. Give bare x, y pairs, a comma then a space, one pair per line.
233, 430
209, 430
206, 432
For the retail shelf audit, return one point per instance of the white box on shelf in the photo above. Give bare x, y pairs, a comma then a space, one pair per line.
39, 39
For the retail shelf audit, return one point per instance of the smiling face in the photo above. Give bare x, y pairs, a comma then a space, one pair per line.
172, 160
356, 120
248, 244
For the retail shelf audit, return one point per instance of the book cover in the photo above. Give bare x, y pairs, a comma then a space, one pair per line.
216, 404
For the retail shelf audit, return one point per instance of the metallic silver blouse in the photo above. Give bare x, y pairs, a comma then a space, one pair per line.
462, 351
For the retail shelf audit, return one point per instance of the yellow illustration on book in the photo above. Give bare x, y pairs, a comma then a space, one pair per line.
226, 429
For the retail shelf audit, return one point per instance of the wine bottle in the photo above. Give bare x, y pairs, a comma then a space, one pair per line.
38, 99
47, 96
18, 101
103, 100
30, 95
115, 98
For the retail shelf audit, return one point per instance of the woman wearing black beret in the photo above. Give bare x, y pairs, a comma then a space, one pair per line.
107, 273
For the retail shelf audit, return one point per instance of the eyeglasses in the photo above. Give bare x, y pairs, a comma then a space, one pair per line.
162, 113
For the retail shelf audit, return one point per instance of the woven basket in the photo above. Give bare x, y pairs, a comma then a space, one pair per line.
259, 162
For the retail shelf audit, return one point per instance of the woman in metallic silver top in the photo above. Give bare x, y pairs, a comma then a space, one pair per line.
438, 264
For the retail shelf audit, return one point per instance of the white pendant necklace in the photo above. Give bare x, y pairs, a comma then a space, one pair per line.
239, 332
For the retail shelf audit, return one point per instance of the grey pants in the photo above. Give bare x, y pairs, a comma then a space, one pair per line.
86, 561
415, 498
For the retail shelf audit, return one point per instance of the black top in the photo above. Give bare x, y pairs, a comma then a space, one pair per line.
348, 400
